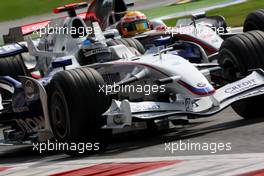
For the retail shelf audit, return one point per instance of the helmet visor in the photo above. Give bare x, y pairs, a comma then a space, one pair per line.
136, 26
141, 25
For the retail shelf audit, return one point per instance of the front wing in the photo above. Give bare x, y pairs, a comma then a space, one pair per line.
125, 111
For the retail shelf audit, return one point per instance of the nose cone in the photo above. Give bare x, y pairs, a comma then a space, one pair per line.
191, 78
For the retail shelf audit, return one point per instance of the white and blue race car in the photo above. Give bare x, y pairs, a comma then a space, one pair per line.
81, 89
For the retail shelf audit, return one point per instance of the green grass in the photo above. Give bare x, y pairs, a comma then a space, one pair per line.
167, 10
15, 9
235, 14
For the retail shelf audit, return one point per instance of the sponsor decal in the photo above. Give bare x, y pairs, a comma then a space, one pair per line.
146, 107
241, 86
95, 51
201, 84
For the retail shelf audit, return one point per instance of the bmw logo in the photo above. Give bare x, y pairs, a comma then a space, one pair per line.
201, 84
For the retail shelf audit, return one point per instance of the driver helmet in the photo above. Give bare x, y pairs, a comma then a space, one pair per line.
133, 23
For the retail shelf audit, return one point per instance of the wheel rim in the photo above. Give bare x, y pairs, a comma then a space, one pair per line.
59, 115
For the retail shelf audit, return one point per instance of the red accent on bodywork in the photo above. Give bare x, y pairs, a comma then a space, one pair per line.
57, 10
36, 76
71, 5
4, 168
68, 6
254, 173
118, 169
90, 15
30, 28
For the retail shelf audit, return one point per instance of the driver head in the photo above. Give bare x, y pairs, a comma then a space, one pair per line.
133, 23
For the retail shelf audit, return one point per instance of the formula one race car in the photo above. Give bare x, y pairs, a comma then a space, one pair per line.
115, 14
203, 31
81, 89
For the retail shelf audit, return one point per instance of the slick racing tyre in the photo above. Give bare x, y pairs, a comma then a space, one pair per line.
12, 66
237, 55
129, 42
254, 21
76, 106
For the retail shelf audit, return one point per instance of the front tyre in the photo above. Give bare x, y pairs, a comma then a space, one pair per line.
13, 66
237, 55
76, 106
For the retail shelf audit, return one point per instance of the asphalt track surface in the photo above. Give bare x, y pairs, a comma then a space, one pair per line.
245, 136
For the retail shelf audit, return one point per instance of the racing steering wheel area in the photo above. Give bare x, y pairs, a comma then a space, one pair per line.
70, 8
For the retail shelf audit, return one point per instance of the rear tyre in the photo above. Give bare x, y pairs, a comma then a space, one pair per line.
128, 42
237, 55
254, 21
75, 108
12, 66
